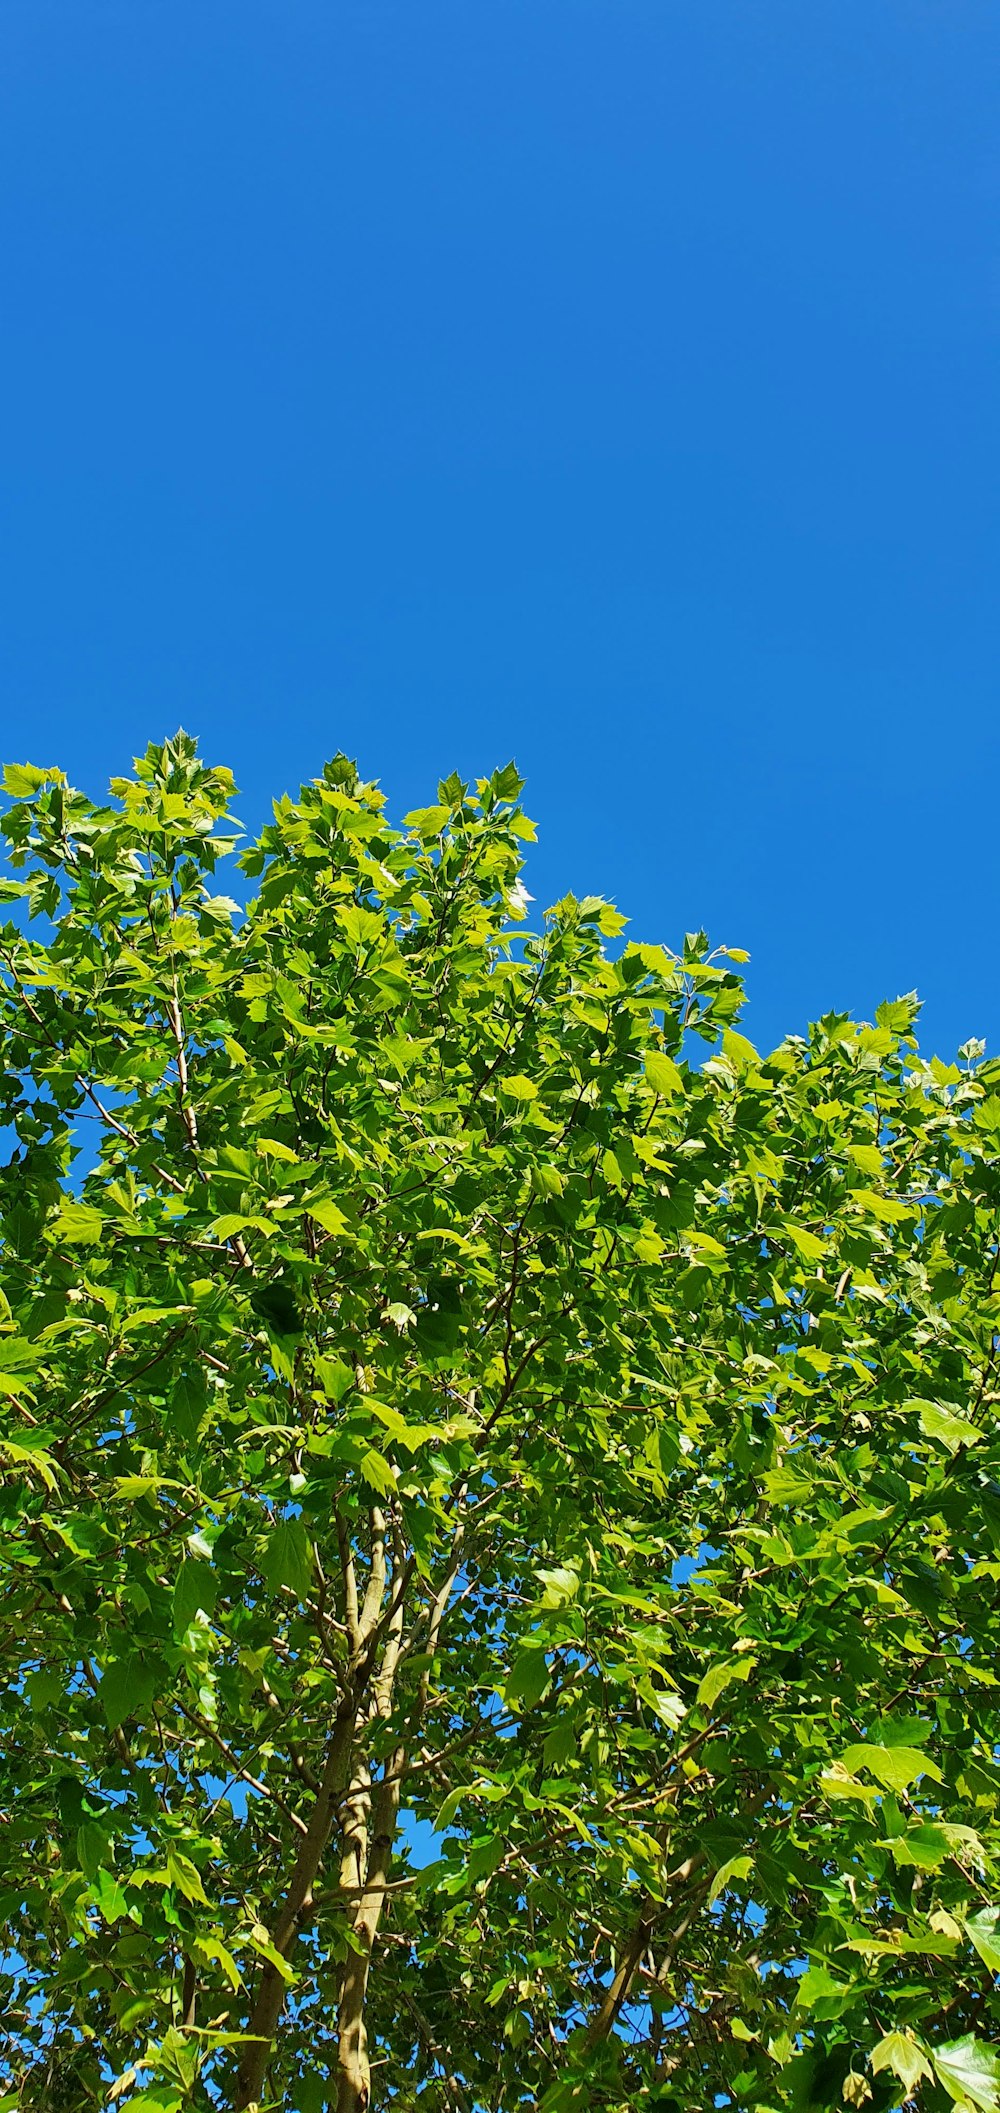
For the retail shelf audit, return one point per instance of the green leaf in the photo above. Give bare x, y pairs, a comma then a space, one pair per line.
561, 1586
930, 1844
705, 1243
662, 1073
938, 1422
898, 2052
262, 1945
869, 1159
894, 1766
984, 1930
327, 1214
737, 1867
932, 1945
128, 1487
439, 1318
78, 1225
887, 1209
547, 1181
287, 1558
195, 1590
447, 1810
183, 1874
529, 1679
109, 1896
157, 2098
189, 1403
508, 782
818, 1985
363, 928
213, 1952
272, 1148
278, 1307
898, 1014
127, 1688
519, 1088
335, 1378
23, 780
805, 1243
835, 1782
969, 2071
33, 1457
428, 821
902, 1731
739, 1050
607, 920
721, 1676
91, 1848
231, 1223
410, 1435
663, 1702
378, 1474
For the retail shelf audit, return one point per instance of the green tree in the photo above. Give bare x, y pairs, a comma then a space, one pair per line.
501, 1521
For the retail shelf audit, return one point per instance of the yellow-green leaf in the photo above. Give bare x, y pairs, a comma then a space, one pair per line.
183, 1874
722, 1676
662, 1073
898, 2052
969, 2071
78, 1225
737, 1867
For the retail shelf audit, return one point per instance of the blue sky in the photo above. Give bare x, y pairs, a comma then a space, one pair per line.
612, 385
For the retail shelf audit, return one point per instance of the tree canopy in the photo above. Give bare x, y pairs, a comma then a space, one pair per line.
500, 1501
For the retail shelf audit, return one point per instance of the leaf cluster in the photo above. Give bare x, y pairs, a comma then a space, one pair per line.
454, 1390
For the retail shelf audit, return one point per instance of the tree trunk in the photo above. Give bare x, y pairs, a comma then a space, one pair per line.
353, 2067
271, 1993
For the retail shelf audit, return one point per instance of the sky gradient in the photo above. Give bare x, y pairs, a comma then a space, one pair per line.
612, 386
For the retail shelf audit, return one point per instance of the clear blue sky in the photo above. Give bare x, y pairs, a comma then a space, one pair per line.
613, 385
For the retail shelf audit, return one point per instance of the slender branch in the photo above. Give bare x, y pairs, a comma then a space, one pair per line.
299, 1763
375, 1592
350, 1582
188, 1116
123, 1130
449, 2079
208, 1732
189, 1994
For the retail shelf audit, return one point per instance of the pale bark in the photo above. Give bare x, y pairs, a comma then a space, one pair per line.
353, 2067
353, 2064
367, 1818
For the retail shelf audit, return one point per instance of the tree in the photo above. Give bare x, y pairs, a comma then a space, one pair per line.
501, 1528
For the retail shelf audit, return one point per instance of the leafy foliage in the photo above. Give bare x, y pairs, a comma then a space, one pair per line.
432, 1399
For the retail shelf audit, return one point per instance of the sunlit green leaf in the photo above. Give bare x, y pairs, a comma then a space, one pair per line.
969, 2071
